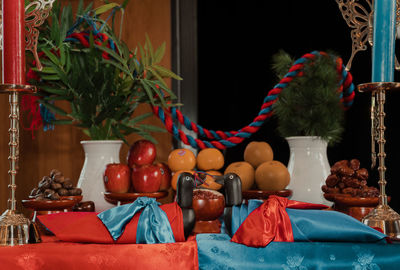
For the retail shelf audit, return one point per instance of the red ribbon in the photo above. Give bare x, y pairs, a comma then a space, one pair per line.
270, 222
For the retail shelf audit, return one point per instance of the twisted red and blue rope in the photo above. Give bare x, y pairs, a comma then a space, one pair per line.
225, 139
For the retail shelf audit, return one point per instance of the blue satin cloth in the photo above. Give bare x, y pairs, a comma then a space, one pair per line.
316, 225
216, 251
153, 226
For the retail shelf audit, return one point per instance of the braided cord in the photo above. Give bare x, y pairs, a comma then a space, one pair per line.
225, 139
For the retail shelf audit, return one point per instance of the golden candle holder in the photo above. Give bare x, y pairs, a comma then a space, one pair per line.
15, 228
383, 216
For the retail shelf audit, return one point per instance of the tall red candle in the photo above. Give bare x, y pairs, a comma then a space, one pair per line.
13, 41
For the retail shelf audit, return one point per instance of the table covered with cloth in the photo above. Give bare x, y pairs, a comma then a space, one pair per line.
276, 234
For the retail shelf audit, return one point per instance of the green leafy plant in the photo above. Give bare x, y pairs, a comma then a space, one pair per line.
101, 85
310, 104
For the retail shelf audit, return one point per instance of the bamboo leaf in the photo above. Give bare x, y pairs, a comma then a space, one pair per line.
51, 56
148, 91
50, 77
159, 54
139, 118
152, 128
165, 72
46, 70
51, 90
117, 66
104, 8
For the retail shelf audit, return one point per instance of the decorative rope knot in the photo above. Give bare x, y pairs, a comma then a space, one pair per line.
225, 139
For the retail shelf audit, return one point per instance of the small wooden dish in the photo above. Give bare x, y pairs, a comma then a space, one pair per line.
357, 207
76, 198
264, 194
207, 211
124, 198
48, 205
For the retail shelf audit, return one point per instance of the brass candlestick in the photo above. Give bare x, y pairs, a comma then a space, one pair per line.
15, 229
382, 216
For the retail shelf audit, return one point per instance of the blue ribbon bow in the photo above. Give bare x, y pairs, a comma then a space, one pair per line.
153, 226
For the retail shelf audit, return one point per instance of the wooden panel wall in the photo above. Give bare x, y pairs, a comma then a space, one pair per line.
61, 148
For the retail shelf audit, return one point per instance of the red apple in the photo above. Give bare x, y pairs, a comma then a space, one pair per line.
146, 178
166, 176
141, 152
117, 178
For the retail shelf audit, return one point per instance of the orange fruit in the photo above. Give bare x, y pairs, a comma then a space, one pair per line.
245, 171
272, 176
181, 159
256, 153
174, 179
210, 181
210, 159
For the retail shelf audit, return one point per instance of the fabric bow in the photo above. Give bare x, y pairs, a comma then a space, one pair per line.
153, 226
270, 222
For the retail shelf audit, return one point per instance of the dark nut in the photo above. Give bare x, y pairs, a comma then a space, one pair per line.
350, 190
362, 174
331, 180
34, 192
54, 196
54, 172
351, 182
45, 183
355, 164
339, 164
341, 185
347, 171
330, 190
56, 186
39, 197
68, 184
63, 192
48, 192
59, 178
75, 192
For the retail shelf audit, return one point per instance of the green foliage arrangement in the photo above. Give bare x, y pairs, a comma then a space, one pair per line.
310, 105
102, 93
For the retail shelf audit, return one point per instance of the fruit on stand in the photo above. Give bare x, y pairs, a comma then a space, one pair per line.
181, 159
256, 153
348, 178
245, 171
210, 181
272, 176
146, 178
175, 176
166, 176
141, 152
209, 159
53, 186
117, 178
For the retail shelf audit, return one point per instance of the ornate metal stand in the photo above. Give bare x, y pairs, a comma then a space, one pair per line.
15, 229
382, 216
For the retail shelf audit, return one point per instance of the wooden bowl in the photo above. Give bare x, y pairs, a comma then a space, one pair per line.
264, 194
207, 210
357, 207
76, 198
48, 205
125, 198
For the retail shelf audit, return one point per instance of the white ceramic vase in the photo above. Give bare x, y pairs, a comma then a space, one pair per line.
98, 154
308, 167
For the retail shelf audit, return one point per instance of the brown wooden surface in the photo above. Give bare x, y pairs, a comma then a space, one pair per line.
61, 148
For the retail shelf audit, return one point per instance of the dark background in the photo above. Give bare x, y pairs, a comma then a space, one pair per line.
236, 41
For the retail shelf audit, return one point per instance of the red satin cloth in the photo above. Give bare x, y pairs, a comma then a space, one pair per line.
270, 222
52, 254
86, 227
